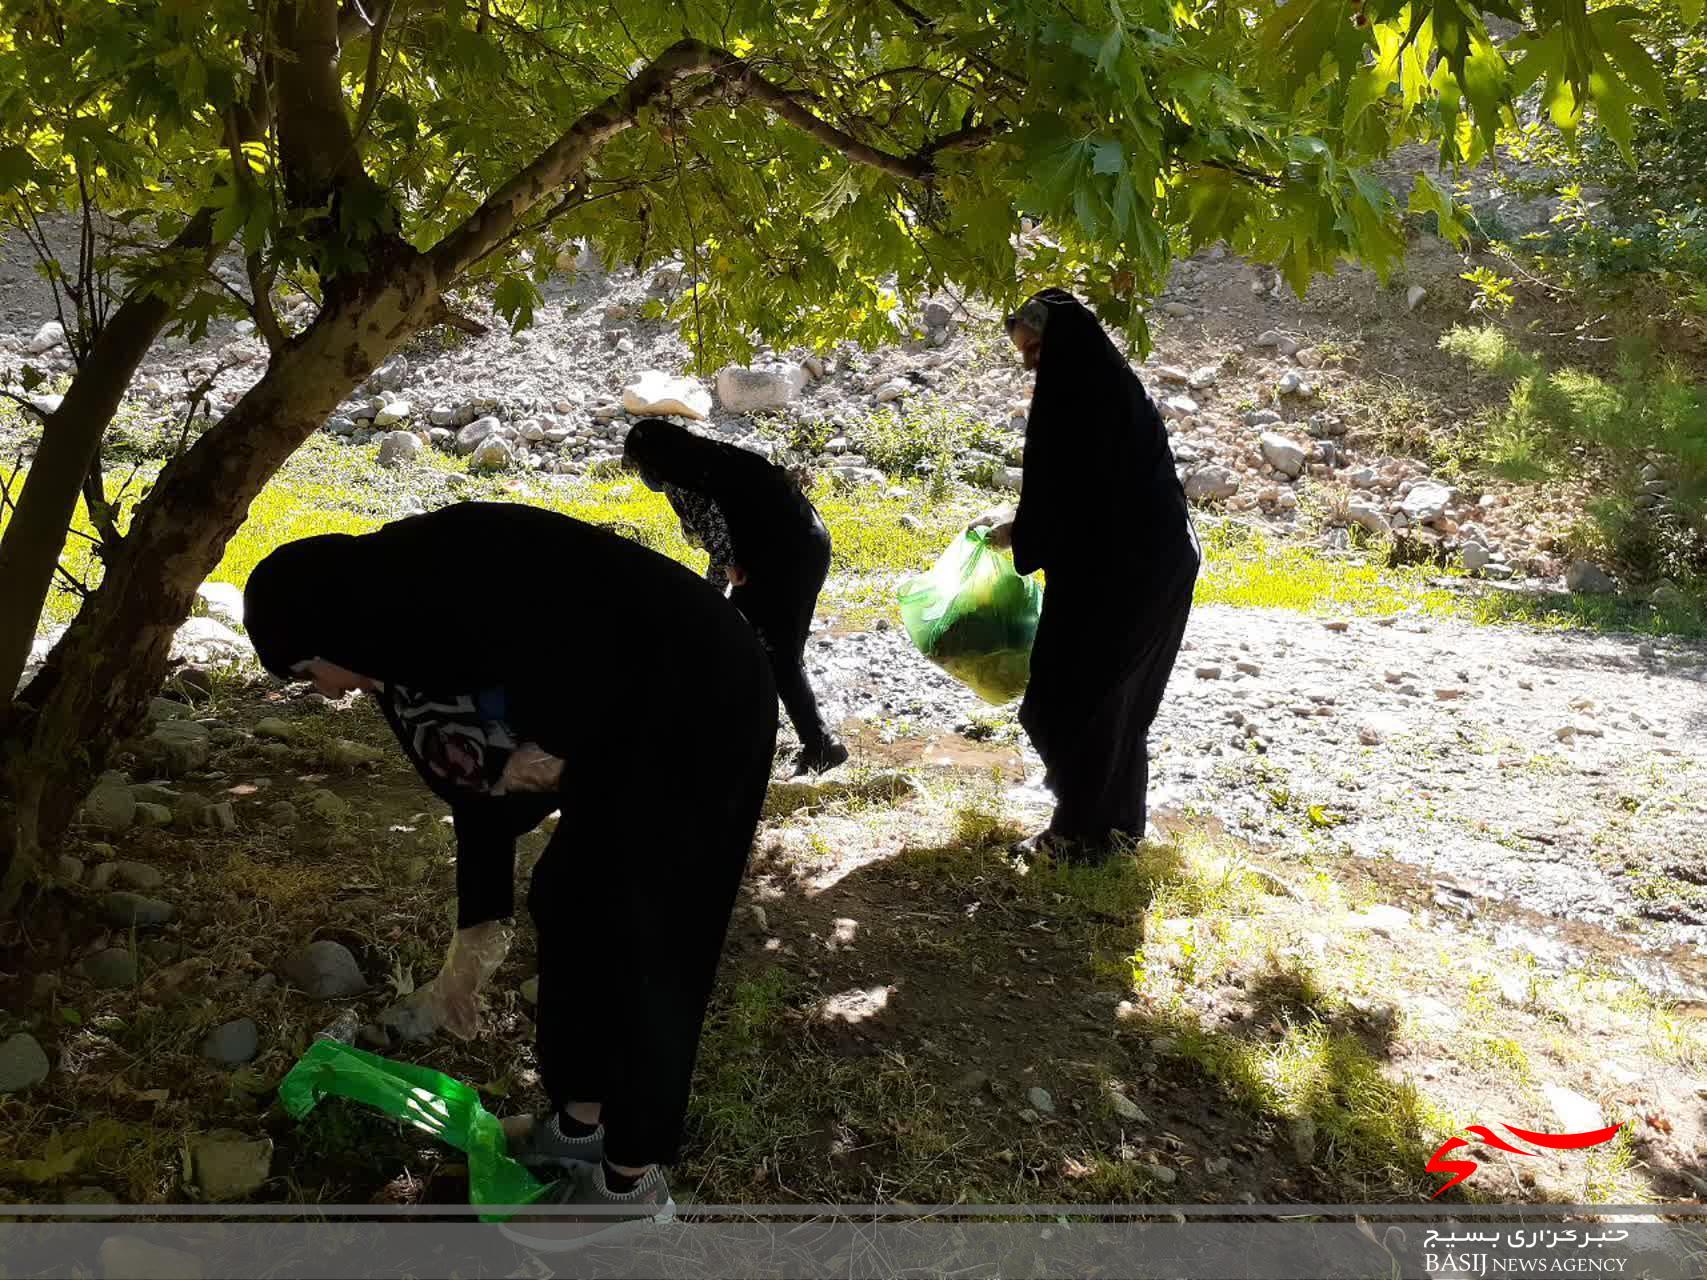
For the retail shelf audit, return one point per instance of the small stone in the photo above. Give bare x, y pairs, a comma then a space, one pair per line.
1285, 456
1125, 1108
220, 817
326, 805
1204, 378
128, 910
1278, 341
1210, 484
1474, 557
153, 815
399, 447
1293, 383
325, 970
68, 869
1216, 1166
394, 412
1450, 693
1303, 1131
110, 968
275, 728
492, 454
49, 336
1209, 673
760, 389
1179, 407
1414, 297
1248, 668
1162, 1174
529, 990
226, 1165
1427, 501
282, 813
1377, 728
1589, 579
345, 754
470, 437
136, 875
193, 684
176, 747
110, 806
23, 1065
232, 1044
1040, 1100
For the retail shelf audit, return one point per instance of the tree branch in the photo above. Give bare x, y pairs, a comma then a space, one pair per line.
370, 82
441, 313
492, 222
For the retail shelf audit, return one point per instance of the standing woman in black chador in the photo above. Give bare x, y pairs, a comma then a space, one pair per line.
514, 698
1103, 514
765, 539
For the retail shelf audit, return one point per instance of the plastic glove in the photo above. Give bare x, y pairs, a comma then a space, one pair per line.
993, 519
529, 769
453, 998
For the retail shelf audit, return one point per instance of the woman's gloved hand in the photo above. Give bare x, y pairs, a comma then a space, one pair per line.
530, 769
453, 998
999, 526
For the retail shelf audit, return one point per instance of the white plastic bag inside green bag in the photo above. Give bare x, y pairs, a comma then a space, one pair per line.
975, 617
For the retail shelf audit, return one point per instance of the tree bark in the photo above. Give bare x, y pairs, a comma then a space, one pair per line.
71, 434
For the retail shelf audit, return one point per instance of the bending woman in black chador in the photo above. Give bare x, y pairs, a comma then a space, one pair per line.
513, 699
1103, 514
765, 540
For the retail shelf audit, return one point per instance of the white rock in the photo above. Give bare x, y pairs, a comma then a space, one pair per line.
659, 393
49, 336
1279, 341
760, 388
1474, 557
220, 600
1179, 407
1285, 456
1368, 517
1427, 501
1576, 1113
1293, 383
394, 412
1207, 376
398, 447
892, 390
208, 640
1414, 297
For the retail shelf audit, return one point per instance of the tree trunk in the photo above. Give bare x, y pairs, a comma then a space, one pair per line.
72, 433
113, 658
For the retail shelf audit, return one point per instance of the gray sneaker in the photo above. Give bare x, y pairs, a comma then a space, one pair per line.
542, 1145
609, 1215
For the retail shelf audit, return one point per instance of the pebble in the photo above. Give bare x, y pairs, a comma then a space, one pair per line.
1040, 1101
325, 970
23, 1065
326, 805
127, 910
1209, 673
227, 1165
1125, 1108
110, 968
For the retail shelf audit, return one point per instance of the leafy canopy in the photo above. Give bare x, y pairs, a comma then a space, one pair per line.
1132, 130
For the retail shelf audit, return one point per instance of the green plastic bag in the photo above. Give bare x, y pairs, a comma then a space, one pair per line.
427, 1099
975, 617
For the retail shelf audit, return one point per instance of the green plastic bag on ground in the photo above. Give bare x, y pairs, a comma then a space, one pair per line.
427, 1099
975, 617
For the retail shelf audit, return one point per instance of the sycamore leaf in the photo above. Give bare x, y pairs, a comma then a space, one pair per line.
1107, 157
1428, 198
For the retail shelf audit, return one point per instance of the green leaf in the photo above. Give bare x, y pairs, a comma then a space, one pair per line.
1428, 198
515, 299
1108, 157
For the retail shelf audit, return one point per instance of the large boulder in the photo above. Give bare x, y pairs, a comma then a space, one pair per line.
657, 393
760, 388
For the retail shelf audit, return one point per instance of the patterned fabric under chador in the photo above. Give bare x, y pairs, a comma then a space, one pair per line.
460, 739
704, 523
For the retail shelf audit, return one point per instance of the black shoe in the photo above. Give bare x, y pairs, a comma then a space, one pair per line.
830, 755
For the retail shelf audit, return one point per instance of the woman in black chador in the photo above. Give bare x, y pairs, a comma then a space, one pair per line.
1103, 514
514, 698
765, 540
